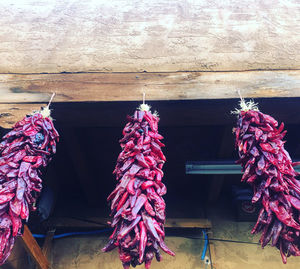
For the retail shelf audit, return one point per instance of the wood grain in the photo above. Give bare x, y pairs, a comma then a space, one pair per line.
90, 87
34, 250
153, 36
11, 113
92, 99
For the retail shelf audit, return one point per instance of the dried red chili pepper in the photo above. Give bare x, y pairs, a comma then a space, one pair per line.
24, 152
138, 209
268, 168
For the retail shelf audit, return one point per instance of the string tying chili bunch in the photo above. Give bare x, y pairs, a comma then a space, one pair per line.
268, 168
137, 206
24, 152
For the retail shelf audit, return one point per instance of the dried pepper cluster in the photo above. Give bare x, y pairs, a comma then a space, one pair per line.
24, 152
137, 206
268, 168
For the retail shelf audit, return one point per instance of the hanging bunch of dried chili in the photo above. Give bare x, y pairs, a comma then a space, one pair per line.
24, 152
137, 206
268, 168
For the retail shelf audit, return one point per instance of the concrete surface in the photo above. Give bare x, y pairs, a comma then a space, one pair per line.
84, 252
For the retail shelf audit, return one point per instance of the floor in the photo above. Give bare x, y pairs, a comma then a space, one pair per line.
230, 255
247, 256
84, 252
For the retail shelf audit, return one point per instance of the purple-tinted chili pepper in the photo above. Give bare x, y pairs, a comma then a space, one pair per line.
149, 208
283, 215
130, 186
150, 226
147, 184
134, 169
156, 149
267, 147
20, 189
127, 229
15, 206
147, 140
116, 198
122, 200
126, 165
138, 204
150, 161
144, 173
109, 246
294, 201
143, 240
4, 198
8, 186
129, 145
148, 259
141, 160
134, 197
122, 209
24, 210
158, 228
165, 248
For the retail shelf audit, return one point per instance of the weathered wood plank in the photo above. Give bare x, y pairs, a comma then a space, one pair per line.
172, 113
20, 94
11, 113
89, 87
122, 36
34, 250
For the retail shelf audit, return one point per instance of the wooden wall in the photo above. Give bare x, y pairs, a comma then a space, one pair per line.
153, 36
172, 50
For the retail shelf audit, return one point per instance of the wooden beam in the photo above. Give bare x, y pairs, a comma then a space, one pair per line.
11, 113
34, 249
20, 94
92, 222
91, 87
157, 36
184, 112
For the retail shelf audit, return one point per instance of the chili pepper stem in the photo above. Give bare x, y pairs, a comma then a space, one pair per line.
52, 96
245, 106
46, 111
143, 106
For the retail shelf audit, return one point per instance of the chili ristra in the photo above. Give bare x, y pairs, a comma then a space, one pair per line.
24, 152
268, 168
137, 206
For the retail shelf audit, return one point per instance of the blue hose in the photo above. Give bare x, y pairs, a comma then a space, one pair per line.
109, 229
205, 245
73, 233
